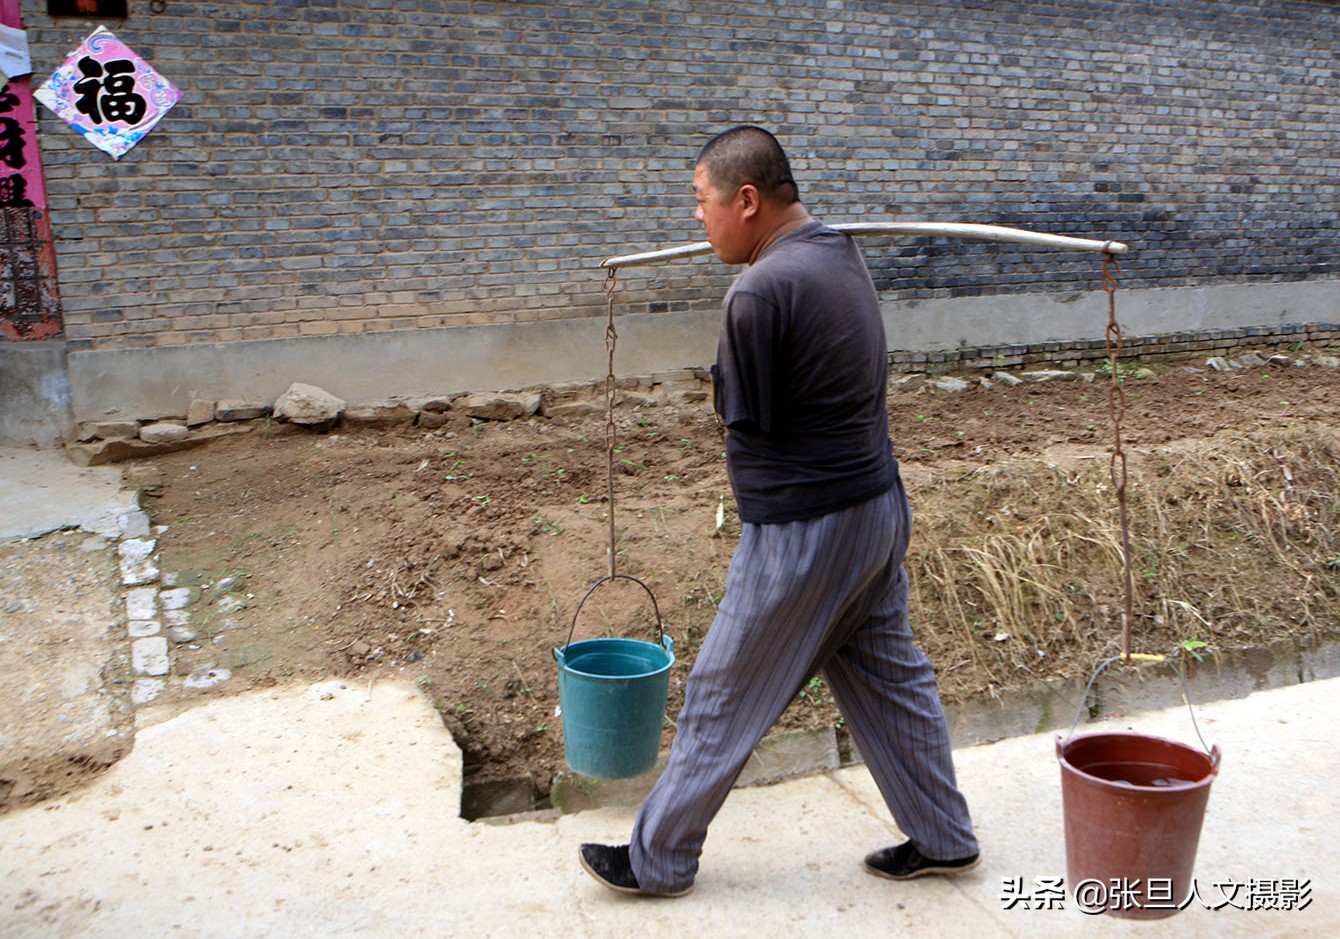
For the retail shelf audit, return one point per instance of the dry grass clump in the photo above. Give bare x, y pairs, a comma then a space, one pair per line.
1016, 568
1248, 526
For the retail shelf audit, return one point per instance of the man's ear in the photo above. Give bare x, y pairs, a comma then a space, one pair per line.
748, 200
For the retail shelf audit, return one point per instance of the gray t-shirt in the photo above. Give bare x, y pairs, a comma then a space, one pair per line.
801, 379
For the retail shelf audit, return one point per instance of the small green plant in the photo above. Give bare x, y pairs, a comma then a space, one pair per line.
546, 525
517, 685
455, 473
1125, 370
816, 693
1192, 648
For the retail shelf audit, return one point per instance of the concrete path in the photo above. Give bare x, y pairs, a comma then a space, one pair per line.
41, 491
61, 614
332, 810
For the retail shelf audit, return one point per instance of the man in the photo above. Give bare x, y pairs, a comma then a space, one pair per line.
816, 583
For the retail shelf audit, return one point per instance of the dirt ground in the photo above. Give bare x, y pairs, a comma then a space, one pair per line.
458, 557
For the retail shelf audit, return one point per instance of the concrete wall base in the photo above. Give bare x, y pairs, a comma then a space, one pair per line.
367, 367
1032, 318
160, 382
34, 394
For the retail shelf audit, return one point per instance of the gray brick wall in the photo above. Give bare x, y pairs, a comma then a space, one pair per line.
346, 166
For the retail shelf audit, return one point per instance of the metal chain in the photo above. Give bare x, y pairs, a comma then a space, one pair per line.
1116, 409
611, 339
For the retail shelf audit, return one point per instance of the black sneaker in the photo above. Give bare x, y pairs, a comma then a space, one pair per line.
905, 862
609, 864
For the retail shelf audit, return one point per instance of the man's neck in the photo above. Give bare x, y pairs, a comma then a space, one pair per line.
784, 220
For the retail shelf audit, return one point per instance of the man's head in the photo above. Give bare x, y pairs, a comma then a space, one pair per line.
750, 155
742, 181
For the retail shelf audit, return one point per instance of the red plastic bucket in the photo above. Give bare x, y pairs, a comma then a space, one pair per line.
1133, 808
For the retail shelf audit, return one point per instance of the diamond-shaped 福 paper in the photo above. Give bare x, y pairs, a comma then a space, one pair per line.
108, 93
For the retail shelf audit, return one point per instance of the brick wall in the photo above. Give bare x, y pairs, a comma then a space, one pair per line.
349, 166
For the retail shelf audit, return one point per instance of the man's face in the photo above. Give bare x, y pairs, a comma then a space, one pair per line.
723, 218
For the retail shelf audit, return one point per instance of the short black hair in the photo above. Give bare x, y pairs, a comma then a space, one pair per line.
748, 154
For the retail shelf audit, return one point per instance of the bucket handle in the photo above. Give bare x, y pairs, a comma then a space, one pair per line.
1212, 752
660, 627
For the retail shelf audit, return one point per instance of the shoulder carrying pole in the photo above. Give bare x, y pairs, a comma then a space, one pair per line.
999, 233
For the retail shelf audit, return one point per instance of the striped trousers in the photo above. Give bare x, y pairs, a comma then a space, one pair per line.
826, 596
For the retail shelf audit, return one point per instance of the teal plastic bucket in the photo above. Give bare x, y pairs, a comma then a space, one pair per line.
612, 694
